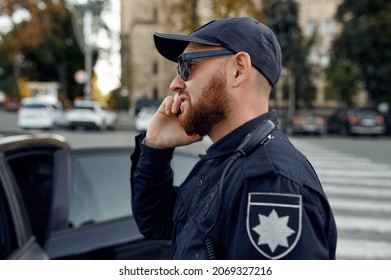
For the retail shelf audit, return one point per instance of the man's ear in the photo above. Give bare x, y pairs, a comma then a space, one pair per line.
242, 68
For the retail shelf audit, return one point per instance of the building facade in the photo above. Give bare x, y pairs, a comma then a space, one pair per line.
318, 16
145, 74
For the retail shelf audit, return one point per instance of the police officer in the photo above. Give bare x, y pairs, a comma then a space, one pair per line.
253, 195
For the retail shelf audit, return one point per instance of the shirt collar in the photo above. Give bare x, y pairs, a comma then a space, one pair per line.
232, 140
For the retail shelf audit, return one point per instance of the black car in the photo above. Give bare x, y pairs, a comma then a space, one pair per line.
306, 122
387, 124
144, 102
62, 203
356, 121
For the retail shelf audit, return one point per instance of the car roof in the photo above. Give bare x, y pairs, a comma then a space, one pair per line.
85, 102
13, 141
38, 100
149, 109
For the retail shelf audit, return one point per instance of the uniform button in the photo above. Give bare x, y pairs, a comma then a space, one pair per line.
200, 183
212, 194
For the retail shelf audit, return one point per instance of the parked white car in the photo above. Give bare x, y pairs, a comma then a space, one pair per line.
91, 114
39, 113
144, 117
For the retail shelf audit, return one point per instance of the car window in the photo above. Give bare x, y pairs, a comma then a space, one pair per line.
33, 172
149, 110
100, 187
369, 113
83, 108
8, 242
34, 106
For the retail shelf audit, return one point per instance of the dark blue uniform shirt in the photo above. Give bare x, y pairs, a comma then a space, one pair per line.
271, 204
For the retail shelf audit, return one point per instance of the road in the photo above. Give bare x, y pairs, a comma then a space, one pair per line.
355, 173
123, 135
377, 149
358, 187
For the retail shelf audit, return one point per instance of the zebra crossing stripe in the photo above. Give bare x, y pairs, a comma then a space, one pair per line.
363, 249
361, 204
359, 192
350, 223
372, 192
349, 165
353, 181
381, 174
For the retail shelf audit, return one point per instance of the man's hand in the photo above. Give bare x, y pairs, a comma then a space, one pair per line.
165, 131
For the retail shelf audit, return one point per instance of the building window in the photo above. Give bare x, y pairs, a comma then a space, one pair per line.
155, 69
329, 27
155, 93
155, 15
311, 27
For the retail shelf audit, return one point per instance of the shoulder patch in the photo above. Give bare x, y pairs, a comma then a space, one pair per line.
274, 222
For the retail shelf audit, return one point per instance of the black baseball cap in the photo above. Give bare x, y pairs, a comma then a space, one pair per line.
235, 34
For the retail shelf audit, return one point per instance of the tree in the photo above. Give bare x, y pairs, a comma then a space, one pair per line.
303, 71
280, 15
231, 8
343, 81
187, 14
361, 52
282, 18
40, 45
29, 22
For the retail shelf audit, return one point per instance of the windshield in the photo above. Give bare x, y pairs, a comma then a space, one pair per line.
34, 106
83, 108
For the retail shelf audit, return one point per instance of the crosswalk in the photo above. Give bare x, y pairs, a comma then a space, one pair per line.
359, 192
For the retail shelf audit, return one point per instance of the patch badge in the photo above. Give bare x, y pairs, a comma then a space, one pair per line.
274, 222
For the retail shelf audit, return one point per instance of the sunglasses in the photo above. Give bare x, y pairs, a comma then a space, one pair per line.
183, 60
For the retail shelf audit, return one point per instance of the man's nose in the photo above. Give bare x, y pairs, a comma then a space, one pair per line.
177, 84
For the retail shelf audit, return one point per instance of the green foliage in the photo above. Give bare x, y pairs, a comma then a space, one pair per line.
282, 17
41, 47
363, 48
7, 81
185, 13
303, 71
232, 8
344, 80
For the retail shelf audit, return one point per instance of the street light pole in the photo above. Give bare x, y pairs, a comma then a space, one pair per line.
87, 23
85, 14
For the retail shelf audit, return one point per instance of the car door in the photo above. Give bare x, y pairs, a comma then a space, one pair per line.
60, 119
16, 238
92, 217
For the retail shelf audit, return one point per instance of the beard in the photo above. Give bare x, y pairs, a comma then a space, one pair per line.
211, 108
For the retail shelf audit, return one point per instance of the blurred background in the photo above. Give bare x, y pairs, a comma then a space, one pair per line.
333, 97
336, 53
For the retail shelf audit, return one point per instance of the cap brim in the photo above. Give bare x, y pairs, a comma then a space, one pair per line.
172, 45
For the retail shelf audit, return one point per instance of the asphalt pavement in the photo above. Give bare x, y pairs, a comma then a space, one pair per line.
355, 173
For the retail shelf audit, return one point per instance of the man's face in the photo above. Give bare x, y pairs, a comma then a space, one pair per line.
201, 114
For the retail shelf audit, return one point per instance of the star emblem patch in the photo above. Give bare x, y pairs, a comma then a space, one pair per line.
274, 223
